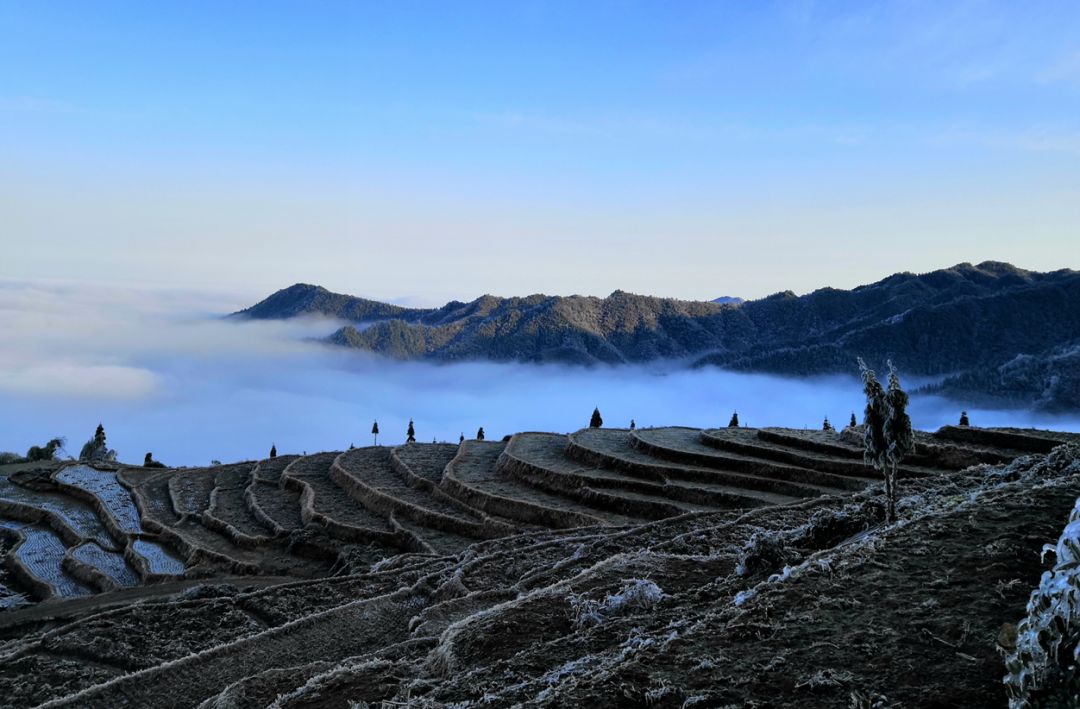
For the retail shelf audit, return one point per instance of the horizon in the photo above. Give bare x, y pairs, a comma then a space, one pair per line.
151, 364
428, 153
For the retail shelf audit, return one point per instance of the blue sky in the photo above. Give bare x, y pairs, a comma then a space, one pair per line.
424, 151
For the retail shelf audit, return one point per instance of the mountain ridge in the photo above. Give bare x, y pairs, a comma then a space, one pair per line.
962, 323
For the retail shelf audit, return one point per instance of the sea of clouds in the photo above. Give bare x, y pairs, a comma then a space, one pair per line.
164, 372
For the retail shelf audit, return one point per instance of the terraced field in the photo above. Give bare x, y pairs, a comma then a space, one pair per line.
313, 573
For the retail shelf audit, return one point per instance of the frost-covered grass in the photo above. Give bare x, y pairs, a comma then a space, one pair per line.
1042, 670
105, 485
636, 594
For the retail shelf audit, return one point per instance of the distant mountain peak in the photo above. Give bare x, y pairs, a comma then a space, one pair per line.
962, 319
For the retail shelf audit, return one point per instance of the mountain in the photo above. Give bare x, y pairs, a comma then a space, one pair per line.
990, 329
728, 300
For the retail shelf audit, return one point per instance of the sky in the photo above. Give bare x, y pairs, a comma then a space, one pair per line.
424, 151
164, 378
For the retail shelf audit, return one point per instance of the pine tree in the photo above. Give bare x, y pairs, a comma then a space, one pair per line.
480, 434
633, 424
964, 419
97, 449
411, 433
898, 435
462, 439
853, 422
273, 450
375, 432
734, 422
148, 460
826, 426
596, 421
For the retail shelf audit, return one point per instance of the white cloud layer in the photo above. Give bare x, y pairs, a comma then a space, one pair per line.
164, 375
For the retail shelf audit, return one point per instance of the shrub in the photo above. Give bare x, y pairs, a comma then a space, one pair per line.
636, 594
1042, 669
46, 452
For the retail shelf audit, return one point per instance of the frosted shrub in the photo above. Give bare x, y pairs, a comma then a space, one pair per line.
636, 594
765, 551
1042, 670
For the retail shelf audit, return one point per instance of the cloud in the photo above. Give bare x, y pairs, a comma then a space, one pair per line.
78, 380
164, 374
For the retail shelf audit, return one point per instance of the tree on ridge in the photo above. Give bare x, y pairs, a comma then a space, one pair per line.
734, 422
375, 432
97, 449
596, 421
411, 433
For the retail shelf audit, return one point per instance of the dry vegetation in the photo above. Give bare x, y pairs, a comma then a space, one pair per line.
658, 567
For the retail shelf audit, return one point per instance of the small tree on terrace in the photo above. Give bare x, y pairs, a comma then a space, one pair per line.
596, 421
480, 434
888, 437
273, 450
898, 433
461, 439
633, 424
853, 423
964, 419
96, 449
375, 433
734, 422
827, 426
149, 462
411, 433
875, 447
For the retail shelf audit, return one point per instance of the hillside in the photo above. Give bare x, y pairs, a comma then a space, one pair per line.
967, 322
662, 567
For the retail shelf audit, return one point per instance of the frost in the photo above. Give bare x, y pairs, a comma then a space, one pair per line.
743, 596
1048, 638
636, 594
